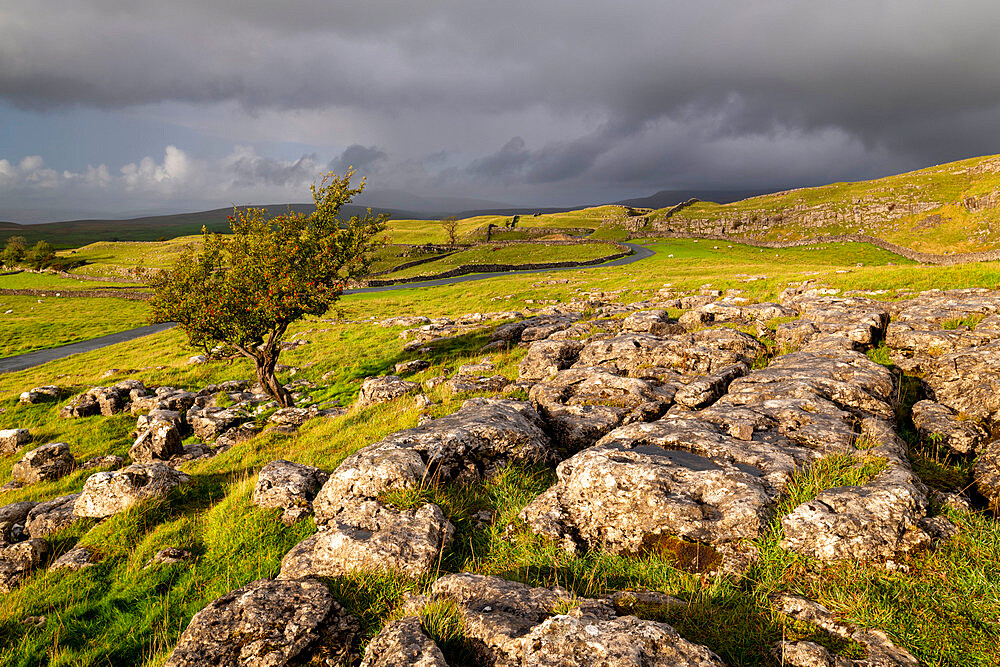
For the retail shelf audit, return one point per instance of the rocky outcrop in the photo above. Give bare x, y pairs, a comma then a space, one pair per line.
47, 462
160, 441
546, 357
77, 558
268, 622
209, 423
288, 486
45, 394
508, 623
701, 352
107, 493
938, 423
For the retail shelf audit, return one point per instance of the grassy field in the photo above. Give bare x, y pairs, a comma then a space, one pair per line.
944, 608
111, 258
947, 208
518, 253
29, 323
50, 281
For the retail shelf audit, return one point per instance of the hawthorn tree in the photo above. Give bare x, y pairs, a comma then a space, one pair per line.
246, 288
450, 225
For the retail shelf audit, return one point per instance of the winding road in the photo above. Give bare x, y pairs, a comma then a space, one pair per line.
21, 362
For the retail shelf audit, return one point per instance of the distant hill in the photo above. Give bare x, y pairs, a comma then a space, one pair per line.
665, 198
952, 207
74, 233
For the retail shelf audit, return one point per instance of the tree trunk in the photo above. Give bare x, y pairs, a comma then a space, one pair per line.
265, 375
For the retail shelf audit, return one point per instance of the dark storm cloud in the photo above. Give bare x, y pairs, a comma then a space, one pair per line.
250, 169
364, 159
635, 93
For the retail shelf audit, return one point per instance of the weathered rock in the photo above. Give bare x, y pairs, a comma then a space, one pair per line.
545, 358
75, 559
413, 366
863, 523
967, 381
159, 416
405, 321
12, 520
369, 538
879, 649
12, 439
376, 390
474, 442
161, 441
403, 643
168, 556
109, 461
577, 639
268, 622
109, 399
288, 486
51, 516
107, 493
81, 405
582, 404
656, 322
49, 392
208, 422
236, 435
464, 384
701, 352
47, 462
707, 389
986, 473
18, 560
508, 623
937, 423
638, 486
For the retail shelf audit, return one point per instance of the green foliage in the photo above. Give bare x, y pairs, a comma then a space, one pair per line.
968, 322
13, 253
244, 290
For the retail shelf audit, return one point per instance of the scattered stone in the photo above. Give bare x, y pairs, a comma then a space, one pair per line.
382, 389
51, 516
208, 422
12, 439
161, 441
75, 559
403, 643
107, 493
197, 359
47, 462
464, 384
236, 435
168, 556
110, 461
414, 366
288, 486
18, 560
372, 538
268, 622
986, 473
49, 392
405, 321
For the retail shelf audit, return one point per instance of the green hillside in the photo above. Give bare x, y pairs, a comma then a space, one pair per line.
952, 207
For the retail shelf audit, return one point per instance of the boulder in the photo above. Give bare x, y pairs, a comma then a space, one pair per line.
12, 439
44, 394
161, 441
107, 493
867, 523
967, 381
44, 463
413, 366
403, 643
288, 486
268, 622
482, 437
12, 520
19, 560
508, 623
372, 538
382, 389
938, 423
656, 322
545, 358
159, 416
464, 384
986, 474
701, 352
208, 422
75, 559
81, 405
51, 516
641, 485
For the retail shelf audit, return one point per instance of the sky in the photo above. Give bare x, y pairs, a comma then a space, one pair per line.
125, 107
